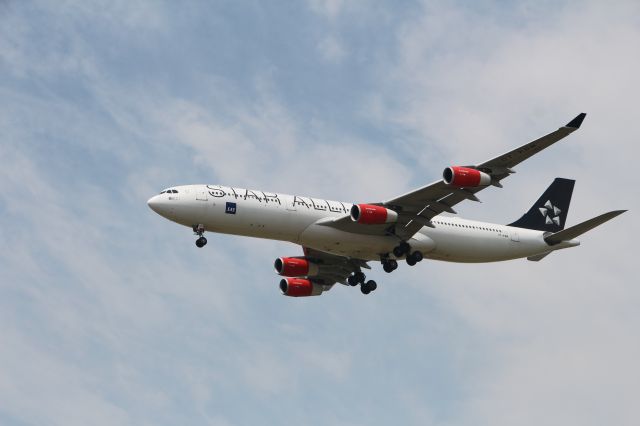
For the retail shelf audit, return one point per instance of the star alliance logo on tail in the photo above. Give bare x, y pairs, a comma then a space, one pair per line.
550, 213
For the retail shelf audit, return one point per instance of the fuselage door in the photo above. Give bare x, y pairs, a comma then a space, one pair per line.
201, 193
514, 236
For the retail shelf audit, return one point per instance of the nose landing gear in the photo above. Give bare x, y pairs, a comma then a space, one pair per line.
199, 230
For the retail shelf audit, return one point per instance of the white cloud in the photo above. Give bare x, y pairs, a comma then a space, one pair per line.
332, 49
328, 8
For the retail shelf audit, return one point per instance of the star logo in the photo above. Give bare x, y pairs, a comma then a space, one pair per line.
550, 213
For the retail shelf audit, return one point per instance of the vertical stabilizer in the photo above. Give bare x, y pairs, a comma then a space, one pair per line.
549, 213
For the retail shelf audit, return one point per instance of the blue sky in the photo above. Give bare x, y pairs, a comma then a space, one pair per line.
110, 315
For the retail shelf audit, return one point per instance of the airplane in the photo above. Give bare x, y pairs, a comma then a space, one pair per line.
340, 239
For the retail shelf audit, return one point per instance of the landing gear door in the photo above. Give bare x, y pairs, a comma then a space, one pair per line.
201, 194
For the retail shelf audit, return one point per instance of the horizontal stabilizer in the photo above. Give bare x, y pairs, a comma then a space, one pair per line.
538, 257
577, 230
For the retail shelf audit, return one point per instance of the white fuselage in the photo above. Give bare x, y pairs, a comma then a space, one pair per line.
299, 219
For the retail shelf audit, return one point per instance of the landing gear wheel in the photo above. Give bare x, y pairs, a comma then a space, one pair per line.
411, 260
199, 230
401, 249
351, 280
389, 265
368, 287
417, 255
359, 277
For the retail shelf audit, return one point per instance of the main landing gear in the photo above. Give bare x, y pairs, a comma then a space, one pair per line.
389, 265
414, 258
403, 249
199, 230
359, 278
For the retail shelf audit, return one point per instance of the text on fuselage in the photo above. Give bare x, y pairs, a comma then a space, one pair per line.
261, 196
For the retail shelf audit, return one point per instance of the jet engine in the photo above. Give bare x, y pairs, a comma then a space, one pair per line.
295, 267
300, 287
372, 215
465, 177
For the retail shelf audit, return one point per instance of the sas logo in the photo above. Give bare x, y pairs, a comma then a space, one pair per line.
231, 208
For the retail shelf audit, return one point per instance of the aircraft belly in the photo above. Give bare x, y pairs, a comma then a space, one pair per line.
343, 243
360, 246
477, 248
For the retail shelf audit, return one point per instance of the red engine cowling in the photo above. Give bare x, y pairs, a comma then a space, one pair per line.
372, 215
295, 267
465, 177
300, 287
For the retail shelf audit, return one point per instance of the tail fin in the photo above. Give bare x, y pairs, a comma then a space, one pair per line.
549, 213
580, 228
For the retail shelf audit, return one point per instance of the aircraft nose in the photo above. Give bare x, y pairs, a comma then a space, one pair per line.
155, 203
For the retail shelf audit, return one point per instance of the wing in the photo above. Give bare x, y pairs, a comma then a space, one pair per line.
332, 268
416, 208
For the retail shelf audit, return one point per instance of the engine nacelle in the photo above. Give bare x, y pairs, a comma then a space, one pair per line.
465, 177
372, 215
295, 267
300, 287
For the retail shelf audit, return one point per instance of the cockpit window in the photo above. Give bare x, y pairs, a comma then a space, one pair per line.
174, 191
163, 192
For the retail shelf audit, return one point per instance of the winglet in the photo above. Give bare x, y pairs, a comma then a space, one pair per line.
576, 122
